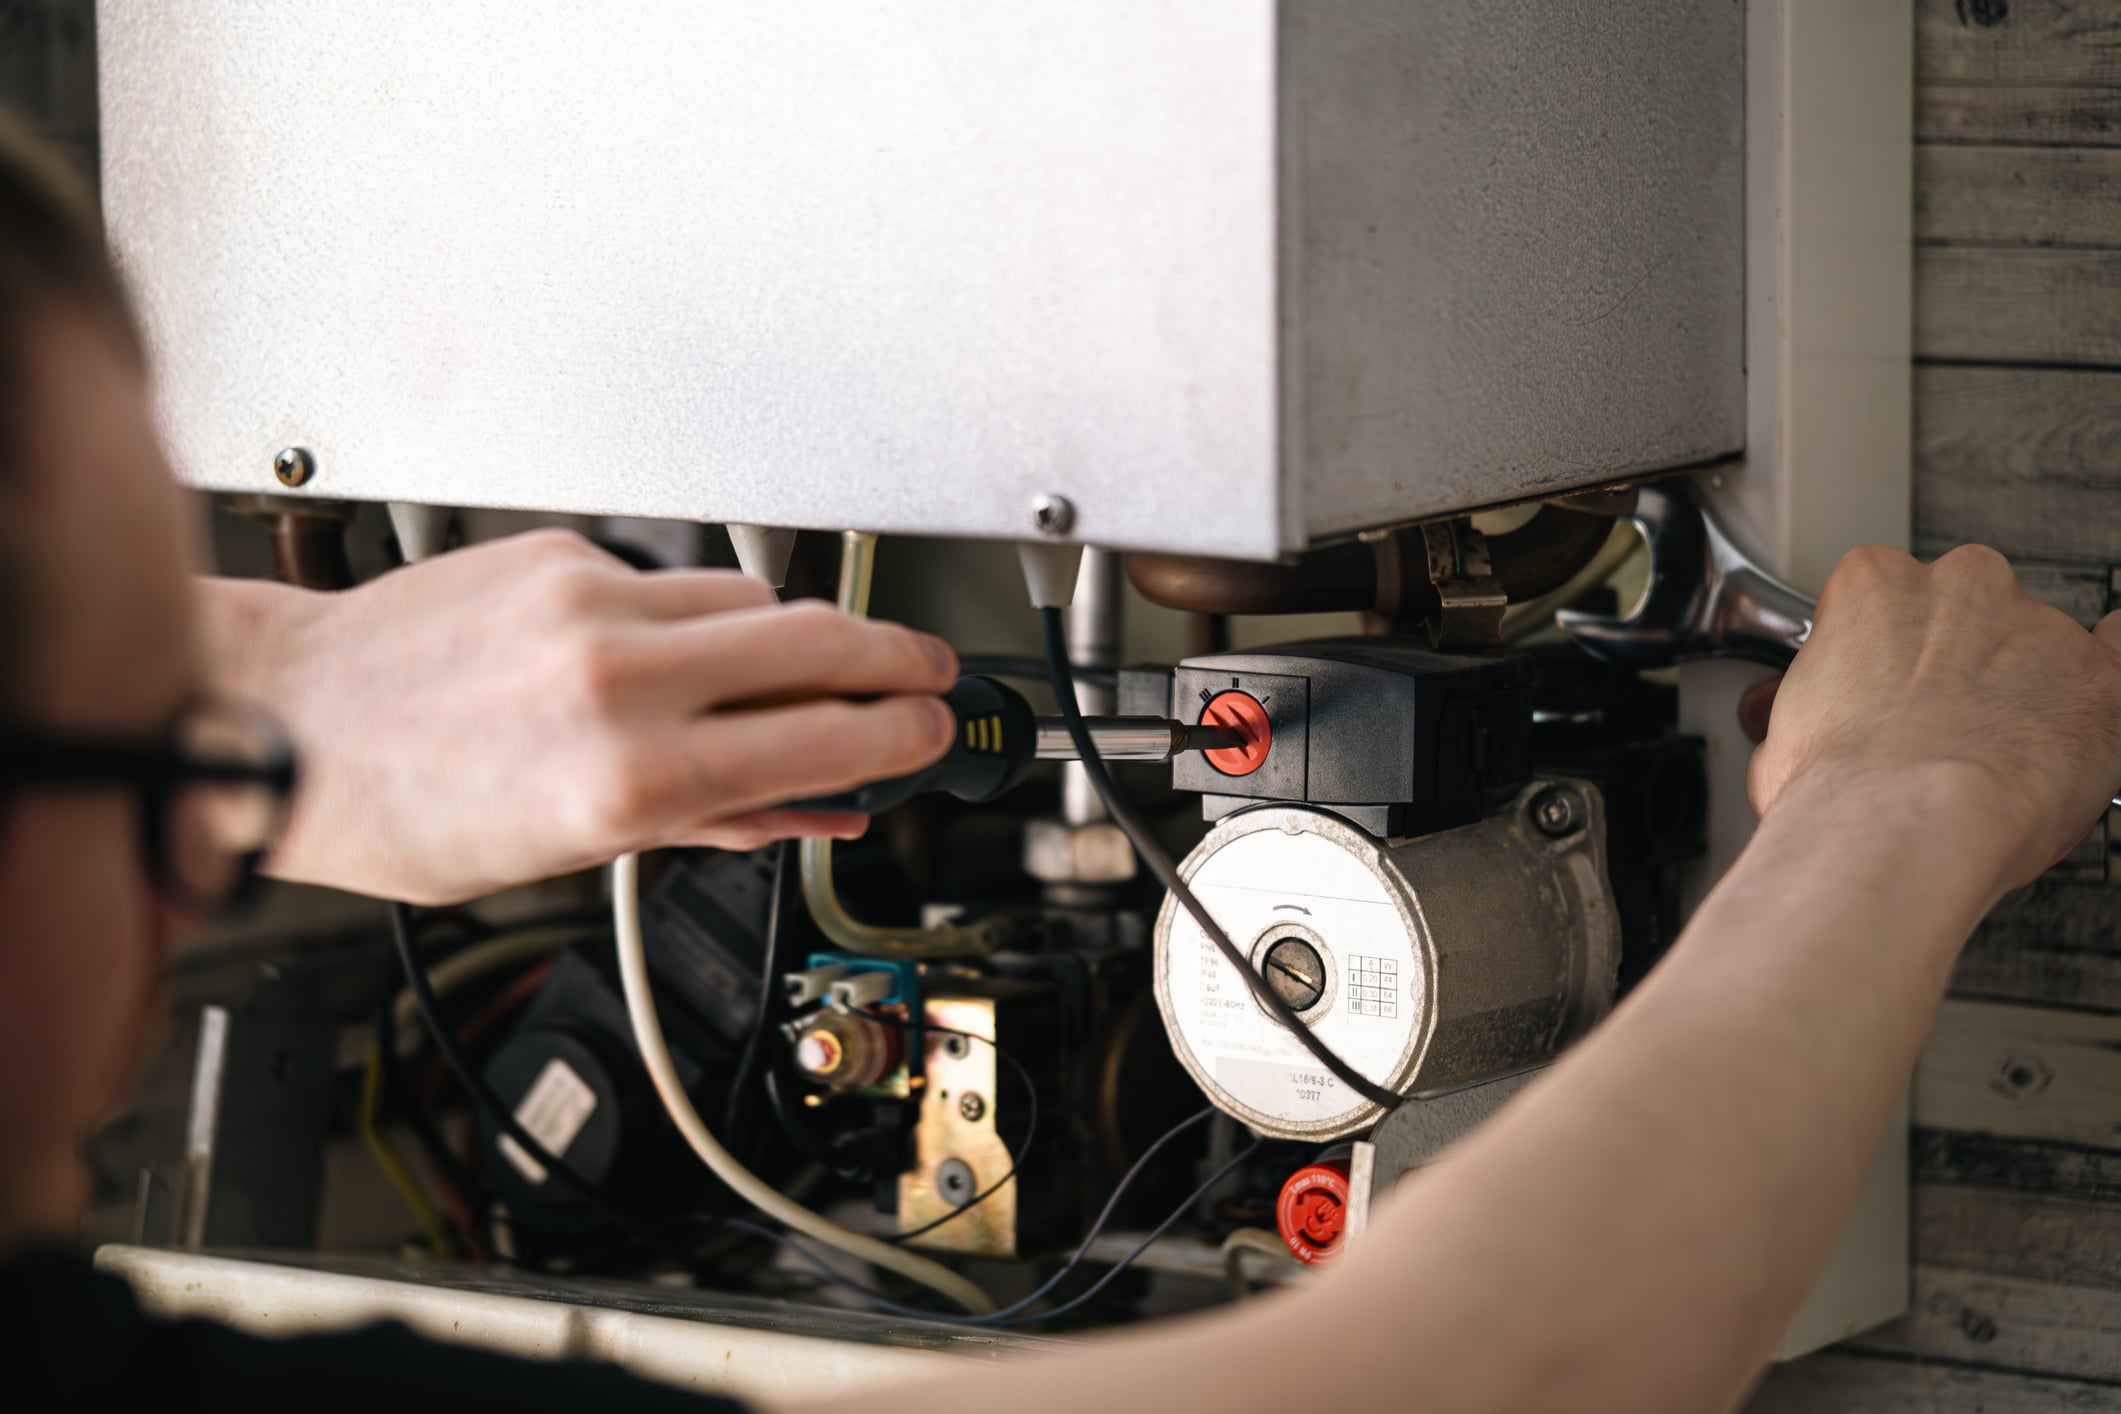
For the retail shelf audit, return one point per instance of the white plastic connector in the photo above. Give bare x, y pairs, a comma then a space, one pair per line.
863, 989
421, 530
811, 984
763, 551
1050, 572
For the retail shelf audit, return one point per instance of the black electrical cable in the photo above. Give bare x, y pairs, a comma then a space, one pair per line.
1152, 854
1097, 1228
1023, 1147
439, 1153
482, 1095
1012, 1313
1003, 665
737, 1116
825, 1270
1075, 1303
489, 1104
798, 1135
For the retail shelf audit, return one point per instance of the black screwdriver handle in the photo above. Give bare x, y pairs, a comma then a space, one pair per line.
996, 739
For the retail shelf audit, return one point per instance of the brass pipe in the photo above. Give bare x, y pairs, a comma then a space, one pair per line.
310, 551
308, 538
820, 893
1385, 576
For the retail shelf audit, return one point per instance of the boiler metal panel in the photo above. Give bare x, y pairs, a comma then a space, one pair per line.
898, 267
1513, 245
1228, 275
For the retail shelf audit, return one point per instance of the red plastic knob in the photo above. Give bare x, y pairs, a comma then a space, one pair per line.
1241, 715
1313, 1211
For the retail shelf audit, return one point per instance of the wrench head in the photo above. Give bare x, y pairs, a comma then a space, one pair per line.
1705, 598
1656, 632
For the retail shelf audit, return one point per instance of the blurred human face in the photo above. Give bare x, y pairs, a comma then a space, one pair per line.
82, 934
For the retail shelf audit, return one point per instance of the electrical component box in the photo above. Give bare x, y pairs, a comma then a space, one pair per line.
1391, 737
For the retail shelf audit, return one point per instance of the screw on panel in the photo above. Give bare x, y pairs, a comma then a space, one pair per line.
956, 1047
1557, 811
954, 1182
971, 1106
294, 466
1053, 514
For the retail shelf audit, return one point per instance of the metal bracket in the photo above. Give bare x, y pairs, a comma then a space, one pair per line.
1471, 598
1425, 1125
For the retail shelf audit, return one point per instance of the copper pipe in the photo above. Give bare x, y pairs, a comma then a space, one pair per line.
1384, 576
308, 537
1338, 577
1547, 551
310, 551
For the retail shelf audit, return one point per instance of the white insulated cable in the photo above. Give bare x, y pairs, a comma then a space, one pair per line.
655, 1051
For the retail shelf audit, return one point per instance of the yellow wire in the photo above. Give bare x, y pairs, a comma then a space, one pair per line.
392, 1166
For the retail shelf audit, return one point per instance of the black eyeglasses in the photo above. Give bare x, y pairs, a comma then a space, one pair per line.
213, 792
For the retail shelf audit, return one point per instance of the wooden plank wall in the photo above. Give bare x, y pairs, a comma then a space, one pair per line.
2017, 1147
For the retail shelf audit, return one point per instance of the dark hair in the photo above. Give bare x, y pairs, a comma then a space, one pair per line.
53, 263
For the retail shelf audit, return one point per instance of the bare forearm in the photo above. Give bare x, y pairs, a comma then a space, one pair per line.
530, 707
1635, 1232
247, 628
1638, 1231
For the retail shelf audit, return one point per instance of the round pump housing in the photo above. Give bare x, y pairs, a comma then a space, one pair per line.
1423, 963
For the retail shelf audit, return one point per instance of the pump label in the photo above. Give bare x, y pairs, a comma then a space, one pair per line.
1372, 988
1290, 1091
553, 1112
1264, 884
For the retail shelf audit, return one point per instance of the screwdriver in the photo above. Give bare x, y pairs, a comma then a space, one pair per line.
998, 737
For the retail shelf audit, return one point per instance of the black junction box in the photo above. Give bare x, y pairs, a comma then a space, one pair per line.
1397, 738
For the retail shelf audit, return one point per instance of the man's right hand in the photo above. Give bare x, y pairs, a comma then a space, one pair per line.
1947, 682
532, 706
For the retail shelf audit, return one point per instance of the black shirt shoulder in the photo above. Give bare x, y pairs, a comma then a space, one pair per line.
72, 1338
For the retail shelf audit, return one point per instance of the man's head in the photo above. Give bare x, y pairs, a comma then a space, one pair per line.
95, 637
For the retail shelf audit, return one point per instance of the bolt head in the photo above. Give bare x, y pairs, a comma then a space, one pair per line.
956, 1047
294, 466
1053, 514
955, 1182
1558, 811
971, 1106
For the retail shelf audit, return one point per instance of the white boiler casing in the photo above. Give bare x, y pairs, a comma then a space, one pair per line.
1229, 276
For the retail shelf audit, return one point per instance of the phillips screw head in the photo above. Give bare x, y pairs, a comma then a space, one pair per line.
294, 466
1053, 514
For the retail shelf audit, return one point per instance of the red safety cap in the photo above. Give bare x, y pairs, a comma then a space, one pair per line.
1313, 1211
1241, 715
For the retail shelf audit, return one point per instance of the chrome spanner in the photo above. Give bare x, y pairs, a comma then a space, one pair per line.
1706, 598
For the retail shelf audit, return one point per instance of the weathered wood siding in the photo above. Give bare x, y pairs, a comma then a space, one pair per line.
2017, 1146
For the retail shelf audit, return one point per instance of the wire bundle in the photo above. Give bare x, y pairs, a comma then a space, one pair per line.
885, 1253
